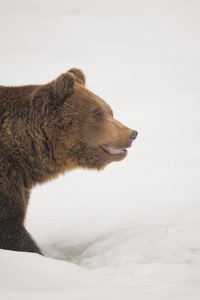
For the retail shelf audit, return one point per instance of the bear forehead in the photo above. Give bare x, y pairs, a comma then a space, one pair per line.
98, 102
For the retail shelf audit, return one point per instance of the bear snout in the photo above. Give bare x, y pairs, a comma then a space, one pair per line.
133, 136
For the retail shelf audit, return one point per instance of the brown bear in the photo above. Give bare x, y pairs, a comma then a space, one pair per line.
47, 130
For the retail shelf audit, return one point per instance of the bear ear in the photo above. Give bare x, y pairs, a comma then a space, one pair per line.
63, 86
48, 97
79, 75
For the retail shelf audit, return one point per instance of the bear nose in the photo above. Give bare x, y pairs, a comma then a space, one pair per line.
133, 136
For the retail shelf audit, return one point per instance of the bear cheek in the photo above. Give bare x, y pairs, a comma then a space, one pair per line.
93, 133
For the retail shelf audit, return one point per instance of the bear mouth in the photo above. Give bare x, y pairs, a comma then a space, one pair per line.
114, 151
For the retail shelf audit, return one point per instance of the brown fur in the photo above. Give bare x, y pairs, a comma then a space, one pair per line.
46, 130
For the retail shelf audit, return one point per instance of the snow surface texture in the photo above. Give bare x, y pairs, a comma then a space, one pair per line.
131, 231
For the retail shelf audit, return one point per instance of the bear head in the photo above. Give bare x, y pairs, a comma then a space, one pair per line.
79, 124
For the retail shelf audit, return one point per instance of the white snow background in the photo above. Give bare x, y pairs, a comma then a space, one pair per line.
132, 230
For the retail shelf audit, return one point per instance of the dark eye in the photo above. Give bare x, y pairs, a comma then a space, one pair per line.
99, 116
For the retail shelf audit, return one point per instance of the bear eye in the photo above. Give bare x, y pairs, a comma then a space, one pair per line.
99, 116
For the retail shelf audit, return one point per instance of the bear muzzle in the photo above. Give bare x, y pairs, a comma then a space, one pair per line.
118, 151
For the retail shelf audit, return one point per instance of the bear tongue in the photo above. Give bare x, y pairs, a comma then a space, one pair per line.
114, 151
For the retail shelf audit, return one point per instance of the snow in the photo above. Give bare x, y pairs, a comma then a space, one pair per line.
132, 230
